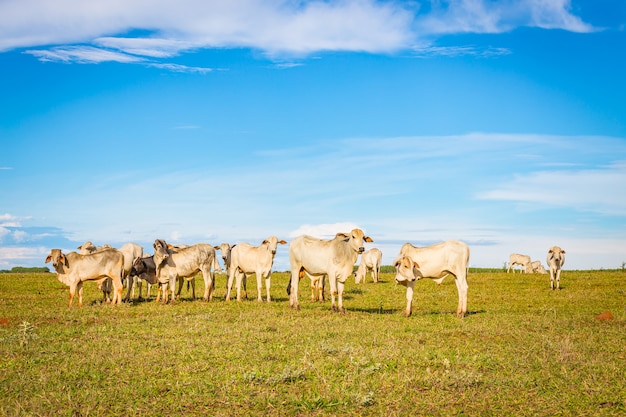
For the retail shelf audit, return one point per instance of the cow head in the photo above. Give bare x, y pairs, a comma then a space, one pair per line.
161, 251
356, 238
272, 242
86, 248
139, 267
407, 270
556, 255
57, 258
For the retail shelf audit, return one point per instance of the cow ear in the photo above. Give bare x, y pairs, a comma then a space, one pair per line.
415, 265
550, 251
368, 239
264, 242
562, 251
282, 242
63, 259
216, 247
48, 259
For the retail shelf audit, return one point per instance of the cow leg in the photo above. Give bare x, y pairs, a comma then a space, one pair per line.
321, 286
209, 285
293, 295
229, 284
333, 291
244, 290
461, 286
118, 288
72, 292
268, 285
172, 288
551, 279
558, 279
131, 283
409, 298
240, 275
193, 288
340, 287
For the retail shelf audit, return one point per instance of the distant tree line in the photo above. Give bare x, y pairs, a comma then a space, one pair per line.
23, 269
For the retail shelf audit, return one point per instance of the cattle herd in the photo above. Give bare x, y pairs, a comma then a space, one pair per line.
316, 258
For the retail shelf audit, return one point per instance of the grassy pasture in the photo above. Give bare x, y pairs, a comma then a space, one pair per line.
522, 350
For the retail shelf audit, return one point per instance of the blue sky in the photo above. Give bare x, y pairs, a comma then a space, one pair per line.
499, 123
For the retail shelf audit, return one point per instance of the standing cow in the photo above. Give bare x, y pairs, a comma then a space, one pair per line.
73, 269
334, 258
555, 260
370, 261
522, 260
435, 261
246, 260
184, 263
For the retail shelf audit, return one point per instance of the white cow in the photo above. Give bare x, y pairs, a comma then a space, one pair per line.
73, 269
225, 248
435, 261
370, 261
517, 259
536, 268
184, 263
555, 260
106, 284
246, 260
316, 257
130, 252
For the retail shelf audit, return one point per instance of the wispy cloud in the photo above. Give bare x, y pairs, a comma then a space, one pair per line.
482, 16
279, 29
181, 68
597, 190
82, 55
456, 51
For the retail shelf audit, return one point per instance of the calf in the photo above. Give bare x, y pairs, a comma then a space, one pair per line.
247, 260
370, 261
517, 259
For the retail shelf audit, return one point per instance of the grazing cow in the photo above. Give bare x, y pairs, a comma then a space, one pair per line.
317, 257
184, 263
536, 268
246, 260
73, 269
555, 260
370, 261
435, 261
517, 259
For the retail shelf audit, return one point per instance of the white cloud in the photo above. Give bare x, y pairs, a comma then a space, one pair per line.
9, 220
484, 16
164, 29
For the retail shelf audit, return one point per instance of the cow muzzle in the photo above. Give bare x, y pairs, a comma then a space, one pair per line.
361, 249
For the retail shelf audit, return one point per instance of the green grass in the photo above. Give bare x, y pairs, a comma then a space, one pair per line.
522, 350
